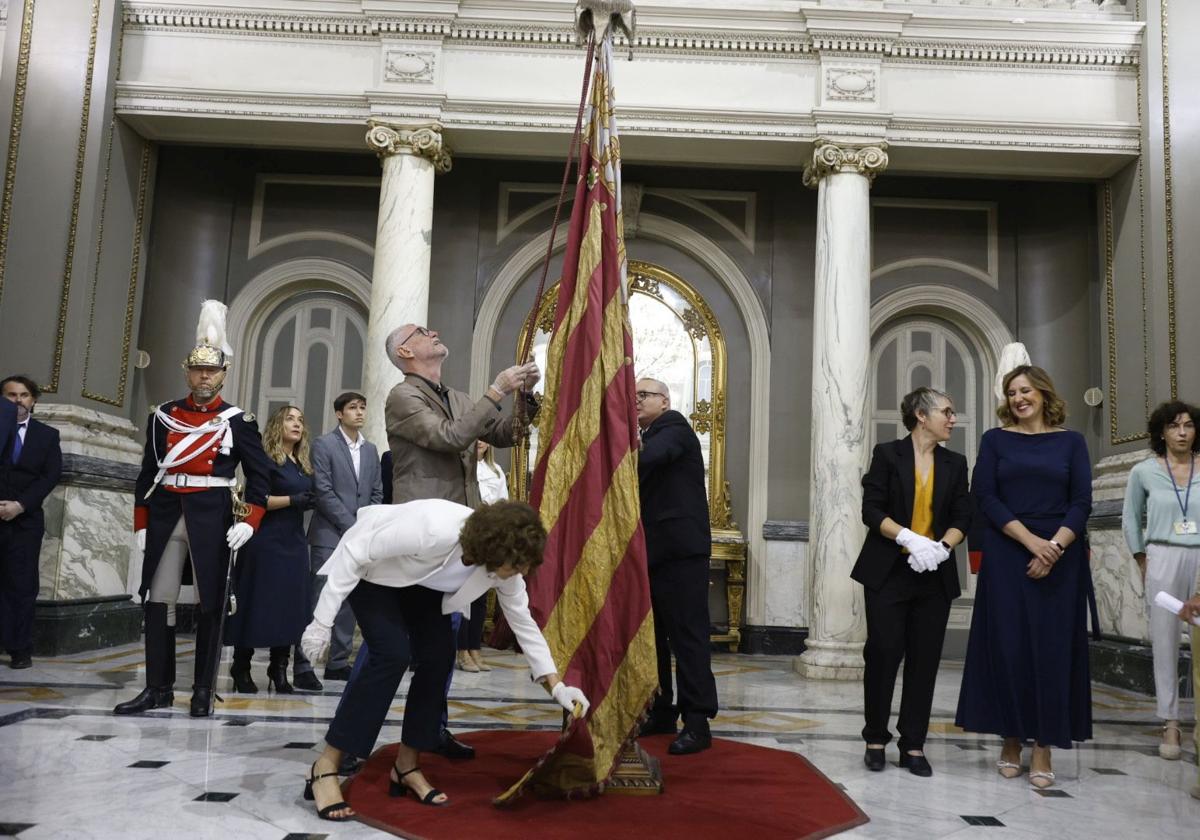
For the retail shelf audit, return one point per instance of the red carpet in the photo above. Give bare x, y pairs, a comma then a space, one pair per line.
732, 790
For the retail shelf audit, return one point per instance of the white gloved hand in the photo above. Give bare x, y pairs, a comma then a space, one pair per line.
140, 538
926, 553
907, 539
238, 535
567, 696
315, 641
944, 554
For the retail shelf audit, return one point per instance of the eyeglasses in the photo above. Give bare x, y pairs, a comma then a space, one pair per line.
641, 395
420, 330
949, 412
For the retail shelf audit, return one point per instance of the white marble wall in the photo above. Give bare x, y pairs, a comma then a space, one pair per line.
1120, 594
86, 550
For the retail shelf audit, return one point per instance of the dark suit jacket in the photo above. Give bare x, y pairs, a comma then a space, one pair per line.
888, 489
671, 483
30, 480
339, 492
8, 428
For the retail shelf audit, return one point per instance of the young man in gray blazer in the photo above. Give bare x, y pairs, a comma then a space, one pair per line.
346, 476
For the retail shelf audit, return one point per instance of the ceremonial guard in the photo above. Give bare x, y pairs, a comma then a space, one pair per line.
183, 508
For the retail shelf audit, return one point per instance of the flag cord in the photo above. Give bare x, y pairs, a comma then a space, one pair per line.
572, 153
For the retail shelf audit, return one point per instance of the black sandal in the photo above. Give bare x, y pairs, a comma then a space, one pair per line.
324, 813
396, 787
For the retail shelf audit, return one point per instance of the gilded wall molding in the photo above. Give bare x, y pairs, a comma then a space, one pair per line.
135, 264
1115, 438
64, 300
14, 135
424, 141
1169, 198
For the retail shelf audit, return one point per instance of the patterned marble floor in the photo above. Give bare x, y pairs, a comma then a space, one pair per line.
69, 769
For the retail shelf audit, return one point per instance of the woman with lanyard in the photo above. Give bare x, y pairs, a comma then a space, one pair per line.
1167, 547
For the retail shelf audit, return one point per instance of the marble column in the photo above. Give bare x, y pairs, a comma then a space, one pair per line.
410, 156
841, 353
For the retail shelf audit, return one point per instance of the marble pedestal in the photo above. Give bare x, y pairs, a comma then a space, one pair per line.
84, 599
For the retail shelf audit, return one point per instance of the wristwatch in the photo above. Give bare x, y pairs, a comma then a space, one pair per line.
947, 546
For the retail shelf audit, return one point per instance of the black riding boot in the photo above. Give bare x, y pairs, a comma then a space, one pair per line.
277, 670
160, 665
207, 627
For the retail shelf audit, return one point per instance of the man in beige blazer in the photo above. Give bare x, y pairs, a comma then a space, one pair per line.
432, 431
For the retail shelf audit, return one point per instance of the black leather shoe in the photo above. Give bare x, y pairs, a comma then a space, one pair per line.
690, 742
150, 698
451, 747
918, 765
342, 674
201, 701
874, 759
657, 726
307, 681
20, 660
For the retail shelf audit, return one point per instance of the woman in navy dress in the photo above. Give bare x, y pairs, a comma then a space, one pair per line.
272, 570
1026, 672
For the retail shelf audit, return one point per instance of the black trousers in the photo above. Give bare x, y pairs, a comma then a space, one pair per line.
399, 626
470, 630
906, 620
679, 596
19, 549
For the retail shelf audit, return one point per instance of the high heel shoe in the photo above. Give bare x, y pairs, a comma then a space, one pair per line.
477, 658
324, 813
277, 674
465, 663
396, 787
243, 683
1171, 752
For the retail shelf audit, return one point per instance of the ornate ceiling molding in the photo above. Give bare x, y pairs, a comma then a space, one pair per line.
1086, 38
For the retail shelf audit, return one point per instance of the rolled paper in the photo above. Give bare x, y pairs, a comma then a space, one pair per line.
1172, 605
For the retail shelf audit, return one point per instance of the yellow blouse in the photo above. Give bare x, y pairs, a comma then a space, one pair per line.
922, 516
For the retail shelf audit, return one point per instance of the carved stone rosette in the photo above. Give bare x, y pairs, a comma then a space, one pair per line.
831, 158
425, 141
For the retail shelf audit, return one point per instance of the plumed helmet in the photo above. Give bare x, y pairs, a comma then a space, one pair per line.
1011, 357
212, 348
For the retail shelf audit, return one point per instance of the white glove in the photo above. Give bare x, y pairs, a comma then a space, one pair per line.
944, 553
567, 696
927, 554
140, 538
907, 539
238, 535
315, 641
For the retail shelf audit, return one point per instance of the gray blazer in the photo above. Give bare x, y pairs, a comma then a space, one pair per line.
339, 494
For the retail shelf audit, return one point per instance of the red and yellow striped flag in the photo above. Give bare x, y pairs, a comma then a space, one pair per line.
592, 593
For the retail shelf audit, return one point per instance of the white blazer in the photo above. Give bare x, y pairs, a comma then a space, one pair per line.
492, 486
402, 545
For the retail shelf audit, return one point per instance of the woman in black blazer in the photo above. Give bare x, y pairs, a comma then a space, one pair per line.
916, 505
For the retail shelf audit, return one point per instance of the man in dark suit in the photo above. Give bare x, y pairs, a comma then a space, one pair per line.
346, 476
8, 427
916, 506
678, 545
32, 467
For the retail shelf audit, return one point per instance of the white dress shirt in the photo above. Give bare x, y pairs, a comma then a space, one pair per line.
355, 447
417, 543
492, 486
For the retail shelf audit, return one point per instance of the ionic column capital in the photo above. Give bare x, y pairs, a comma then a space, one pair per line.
829, 158
425, 141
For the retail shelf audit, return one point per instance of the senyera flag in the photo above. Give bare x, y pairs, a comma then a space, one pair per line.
592, 593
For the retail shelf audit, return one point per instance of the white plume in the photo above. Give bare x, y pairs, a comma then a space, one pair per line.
1011, 357
210, 329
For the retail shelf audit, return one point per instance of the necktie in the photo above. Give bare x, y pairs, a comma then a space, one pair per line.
17, 444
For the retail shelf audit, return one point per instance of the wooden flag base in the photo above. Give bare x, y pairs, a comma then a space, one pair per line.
637, 774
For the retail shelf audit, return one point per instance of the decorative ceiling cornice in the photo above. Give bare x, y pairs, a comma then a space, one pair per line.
1095, 39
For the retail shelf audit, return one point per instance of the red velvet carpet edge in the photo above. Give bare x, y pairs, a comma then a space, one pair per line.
731, 790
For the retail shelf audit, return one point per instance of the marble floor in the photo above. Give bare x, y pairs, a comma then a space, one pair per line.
70, 769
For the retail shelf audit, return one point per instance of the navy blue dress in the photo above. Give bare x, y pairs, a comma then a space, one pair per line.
272, 571
1026, 673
